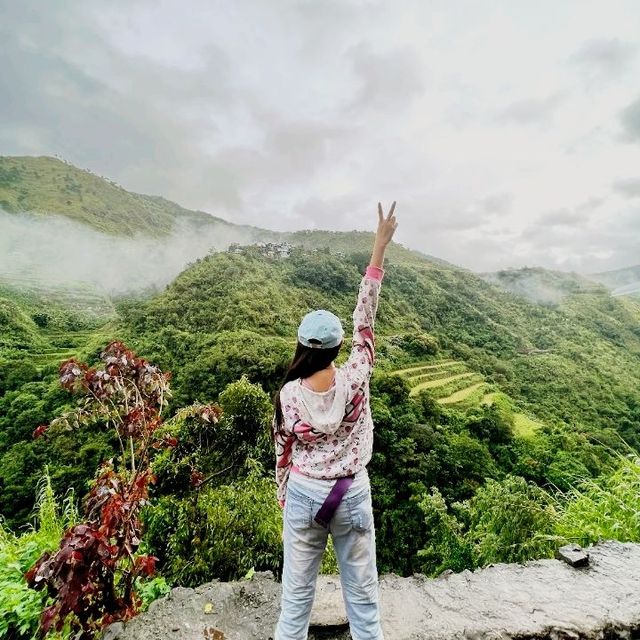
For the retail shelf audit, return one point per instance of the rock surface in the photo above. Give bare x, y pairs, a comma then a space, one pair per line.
538, 599
573, 555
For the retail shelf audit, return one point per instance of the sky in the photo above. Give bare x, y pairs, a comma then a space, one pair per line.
507, 131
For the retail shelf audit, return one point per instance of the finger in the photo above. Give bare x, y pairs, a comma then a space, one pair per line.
379, 212
393, 206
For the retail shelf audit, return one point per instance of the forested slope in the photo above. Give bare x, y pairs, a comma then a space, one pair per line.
50, 186
577, 361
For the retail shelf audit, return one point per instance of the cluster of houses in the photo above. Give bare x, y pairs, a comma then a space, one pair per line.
271, 249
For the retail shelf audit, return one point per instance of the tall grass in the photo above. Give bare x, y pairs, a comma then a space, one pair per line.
20, 606
512, 520
604, 508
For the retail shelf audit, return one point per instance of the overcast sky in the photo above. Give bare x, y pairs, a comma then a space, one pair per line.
508, 131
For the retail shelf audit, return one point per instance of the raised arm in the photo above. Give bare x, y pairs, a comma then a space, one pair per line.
360, 363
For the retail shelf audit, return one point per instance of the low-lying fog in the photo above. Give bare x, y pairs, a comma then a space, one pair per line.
56, 250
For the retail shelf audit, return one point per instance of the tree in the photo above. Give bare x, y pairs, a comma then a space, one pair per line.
92, 576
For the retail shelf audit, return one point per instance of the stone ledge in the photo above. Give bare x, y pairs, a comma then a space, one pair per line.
538, 599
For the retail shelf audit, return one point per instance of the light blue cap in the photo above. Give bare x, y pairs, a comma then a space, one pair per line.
321, 326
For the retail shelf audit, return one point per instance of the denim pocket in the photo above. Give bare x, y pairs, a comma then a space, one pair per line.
298, 511
361, 511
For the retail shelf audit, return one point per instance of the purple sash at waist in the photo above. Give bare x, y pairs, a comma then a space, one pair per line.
332, 501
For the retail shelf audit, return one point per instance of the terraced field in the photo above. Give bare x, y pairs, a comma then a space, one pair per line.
448, 381
523, 425
452, 384
65, 345
80, 297
53, 306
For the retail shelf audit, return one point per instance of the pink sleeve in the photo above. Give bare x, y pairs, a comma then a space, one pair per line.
376, 273
284, 441
359, 366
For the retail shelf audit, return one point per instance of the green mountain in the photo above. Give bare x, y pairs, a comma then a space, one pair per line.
513, 328
542, 286
565, 362
52, 187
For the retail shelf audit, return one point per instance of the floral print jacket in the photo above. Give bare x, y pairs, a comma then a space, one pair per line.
329, 434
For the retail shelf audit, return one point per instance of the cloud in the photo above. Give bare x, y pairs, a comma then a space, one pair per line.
628, 188
388, 82
499, 203
54, 250
560, 218
602, 59
309, 113
532, 110
137, 121
630, 121
573, 241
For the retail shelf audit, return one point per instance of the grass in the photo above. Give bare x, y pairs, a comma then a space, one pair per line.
605, 508
448, 381
414, 370
440, 382
462, 394
21, 605
437, 374
524, 425
490, 398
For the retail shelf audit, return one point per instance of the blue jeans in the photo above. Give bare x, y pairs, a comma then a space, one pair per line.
304, 544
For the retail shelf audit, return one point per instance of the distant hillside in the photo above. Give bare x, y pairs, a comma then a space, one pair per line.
544, 357
621, 282
542, 286
349, 242
121, 242
18, 331
53, 187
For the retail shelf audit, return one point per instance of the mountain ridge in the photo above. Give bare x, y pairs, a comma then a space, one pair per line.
48, 185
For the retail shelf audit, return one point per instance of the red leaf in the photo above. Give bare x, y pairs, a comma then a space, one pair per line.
79, 576
145, 565
196, 478
171, 441
40, 430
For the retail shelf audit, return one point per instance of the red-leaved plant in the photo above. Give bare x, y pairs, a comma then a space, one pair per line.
91, 577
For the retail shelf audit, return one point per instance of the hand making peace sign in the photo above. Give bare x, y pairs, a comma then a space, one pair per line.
386, 225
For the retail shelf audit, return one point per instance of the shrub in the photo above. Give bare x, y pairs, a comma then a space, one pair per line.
602, 509
227, 531
93, 575
510, 520
447, 547
505, 521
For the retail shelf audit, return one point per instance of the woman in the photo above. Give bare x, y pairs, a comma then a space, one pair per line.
324, 435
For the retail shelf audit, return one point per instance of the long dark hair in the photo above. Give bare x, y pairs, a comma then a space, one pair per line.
306, 361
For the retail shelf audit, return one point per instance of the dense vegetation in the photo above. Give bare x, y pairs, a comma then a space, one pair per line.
507, 412
235, 314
